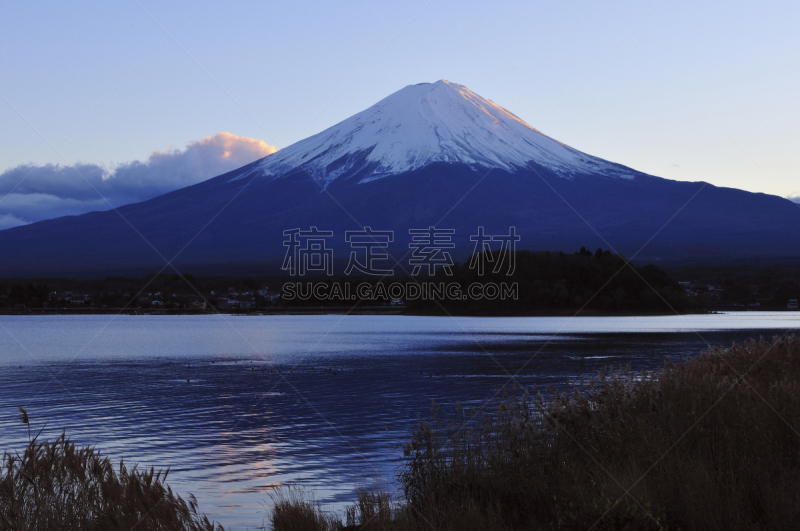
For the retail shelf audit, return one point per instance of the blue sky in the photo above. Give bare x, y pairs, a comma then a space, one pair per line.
684, 90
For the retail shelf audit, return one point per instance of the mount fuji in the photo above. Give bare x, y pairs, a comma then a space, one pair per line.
433, 154
424, 124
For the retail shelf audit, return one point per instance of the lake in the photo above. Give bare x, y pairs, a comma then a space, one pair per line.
237, 405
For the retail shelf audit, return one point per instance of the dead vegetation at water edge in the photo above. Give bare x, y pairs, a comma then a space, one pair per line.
58, 485
709, 443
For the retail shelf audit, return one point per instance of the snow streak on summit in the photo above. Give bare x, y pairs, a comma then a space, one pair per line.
426, 123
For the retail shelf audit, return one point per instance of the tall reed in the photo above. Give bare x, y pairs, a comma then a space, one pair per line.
57, 485
710, 443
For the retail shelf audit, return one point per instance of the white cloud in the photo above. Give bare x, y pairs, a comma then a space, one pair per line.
33, 193
10, 220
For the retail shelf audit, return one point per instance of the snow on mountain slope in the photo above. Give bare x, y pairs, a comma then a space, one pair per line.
426, 123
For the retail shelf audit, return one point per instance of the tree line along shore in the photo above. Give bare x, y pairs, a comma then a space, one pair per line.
544, 283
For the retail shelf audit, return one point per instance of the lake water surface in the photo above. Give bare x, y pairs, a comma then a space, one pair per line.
236, 405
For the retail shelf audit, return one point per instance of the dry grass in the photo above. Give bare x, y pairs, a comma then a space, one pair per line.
711, 443
373, 511
55, 486
296, 510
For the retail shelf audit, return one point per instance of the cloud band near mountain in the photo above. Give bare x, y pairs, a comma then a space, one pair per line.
34, 193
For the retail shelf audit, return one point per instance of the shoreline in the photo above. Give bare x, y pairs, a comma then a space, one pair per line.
370, 310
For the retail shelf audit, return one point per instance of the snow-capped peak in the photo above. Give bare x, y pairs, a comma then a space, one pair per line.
426, 123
